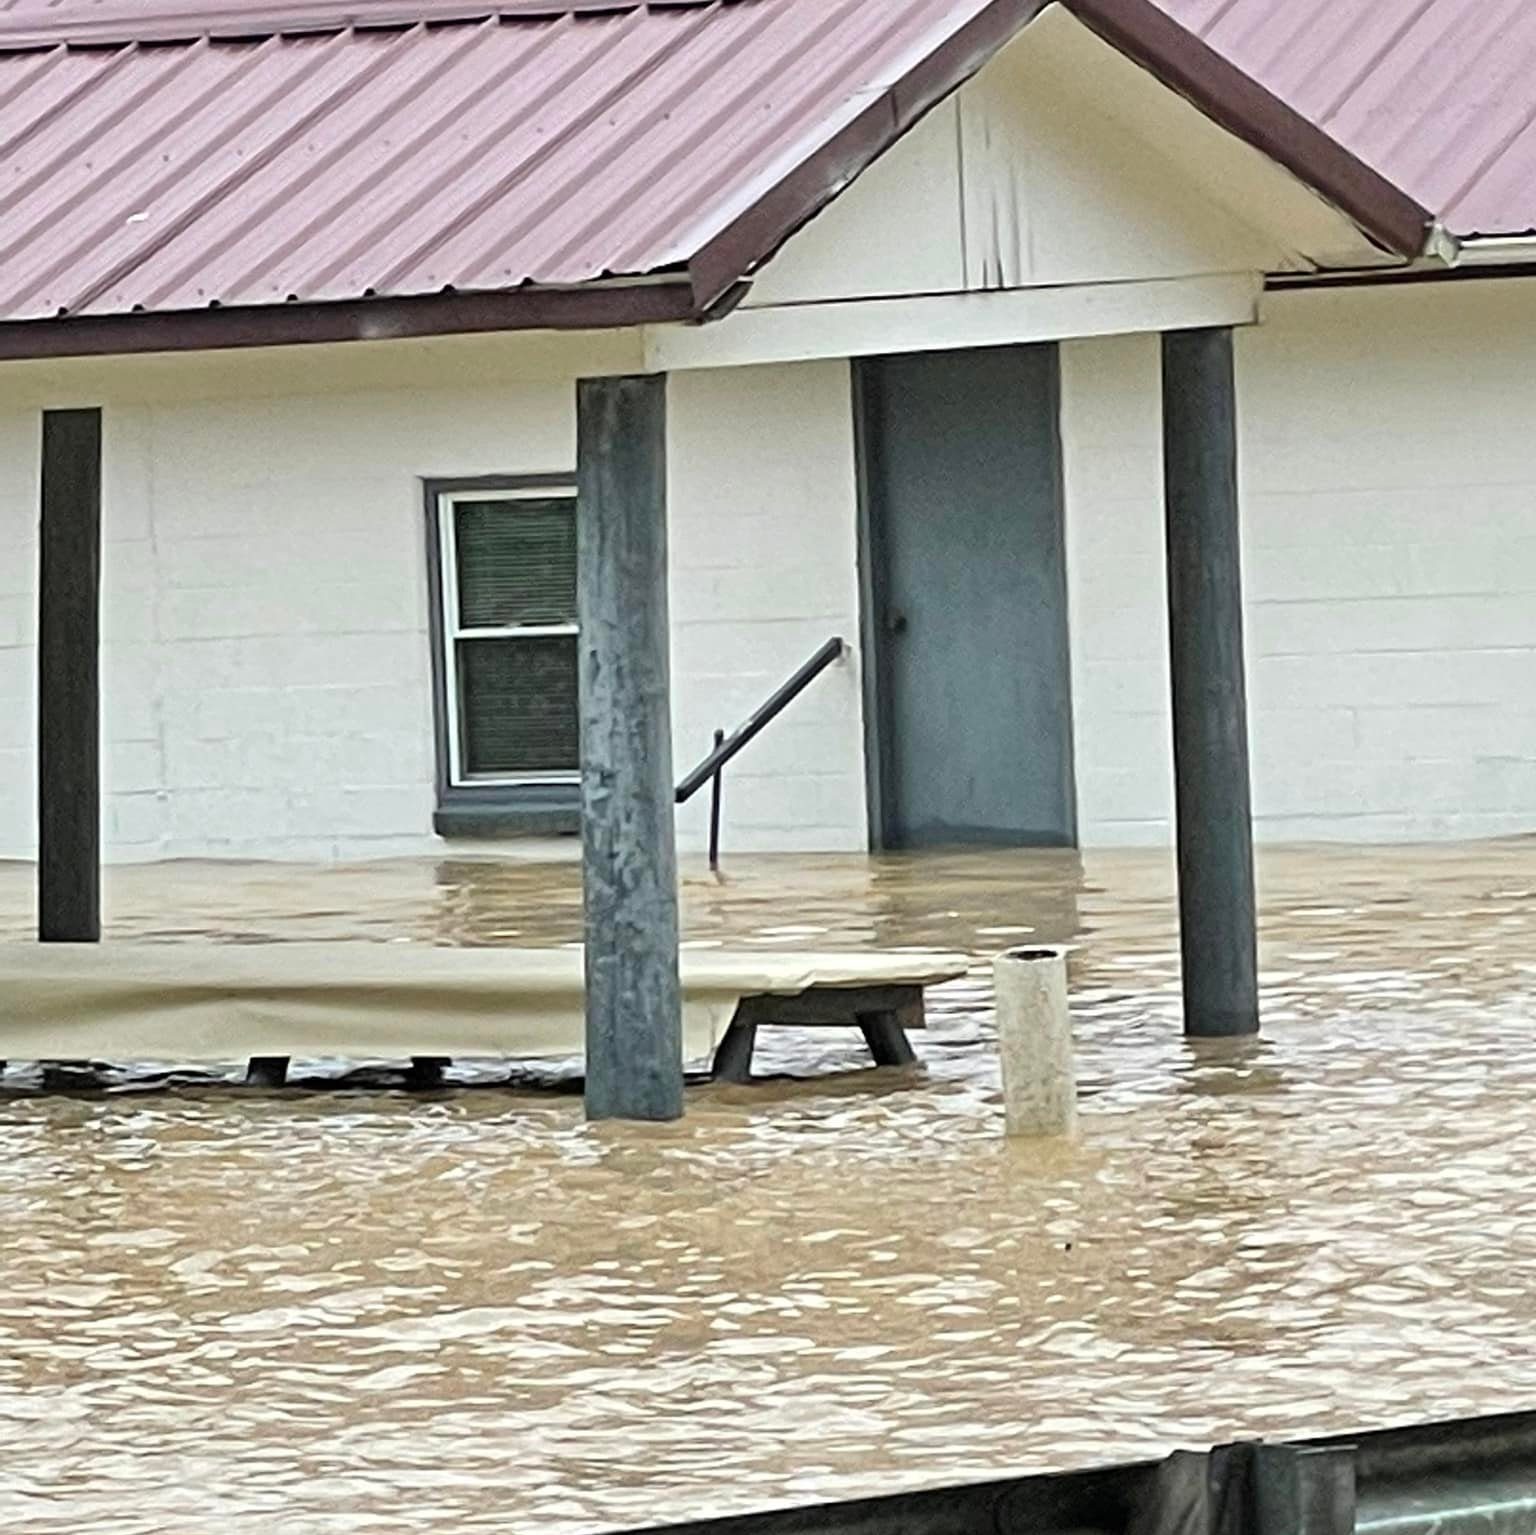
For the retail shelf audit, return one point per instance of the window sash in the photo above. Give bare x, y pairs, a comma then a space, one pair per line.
455, 632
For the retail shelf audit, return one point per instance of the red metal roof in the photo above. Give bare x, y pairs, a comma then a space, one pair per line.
363, 151
1437, 95
231, 161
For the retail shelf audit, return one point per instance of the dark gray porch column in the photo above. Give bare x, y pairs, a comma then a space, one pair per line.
1210, 718
634, 1022
68, 680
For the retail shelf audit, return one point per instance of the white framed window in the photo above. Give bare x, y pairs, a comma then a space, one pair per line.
505, 602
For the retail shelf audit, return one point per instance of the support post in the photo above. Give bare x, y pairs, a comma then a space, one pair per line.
425, 1074
634, 1066
715, 785
267, 1071
68, 680
1217, 931
733, 1055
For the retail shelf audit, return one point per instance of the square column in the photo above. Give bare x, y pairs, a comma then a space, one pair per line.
629, 859
68, 680
1217, 933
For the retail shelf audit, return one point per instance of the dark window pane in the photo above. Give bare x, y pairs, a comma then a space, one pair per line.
517, 706
517, 562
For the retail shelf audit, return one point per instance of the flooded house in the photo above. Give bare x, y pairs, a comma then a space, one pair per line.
330, 276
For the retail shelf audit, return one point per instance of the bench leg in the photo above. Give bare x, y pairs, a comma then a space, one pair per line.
69, 1077
267, 1071
426, 1072
733, 1055
886, 1038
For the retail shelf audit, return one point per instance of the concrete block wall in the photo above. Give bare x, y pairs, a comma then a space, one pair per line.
764, 571
266, 670
267, 684
1389, 525
20, 444
267, 667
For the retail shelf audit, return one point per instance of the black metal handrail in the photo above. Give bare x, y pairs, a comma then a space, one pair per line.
726, 746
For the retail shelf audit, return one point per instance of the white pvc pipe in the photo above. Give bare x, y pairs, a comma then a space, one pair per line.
1034, 1038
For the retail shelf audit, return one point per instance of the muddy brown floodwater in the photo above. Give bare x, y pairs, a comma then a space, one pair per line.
356, 1312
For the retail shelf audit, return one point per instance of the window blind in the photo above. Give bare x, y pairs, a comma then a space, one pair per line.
517, 562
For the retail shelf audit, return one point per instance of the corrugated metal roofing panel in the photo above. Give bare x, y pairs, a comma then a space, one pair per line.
170, 156
481, 152
1439, 96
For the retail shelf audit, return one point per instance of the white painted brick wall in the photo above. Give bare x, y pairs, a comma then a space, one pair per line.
266, 670
764, 569
1389, 524
19, 446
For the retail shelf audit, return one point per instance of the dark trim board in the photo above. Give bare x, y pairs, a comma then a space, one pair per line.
483, 811
875, 739
590, 307
1144, 33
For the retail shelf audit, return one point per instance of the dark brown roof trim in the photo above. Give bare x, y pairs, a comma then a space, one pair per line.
381, 319
755, 235
1149, 37
1392, 277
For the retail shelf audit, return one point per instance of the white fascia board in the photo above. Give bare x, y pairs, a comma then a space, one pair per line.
946, 321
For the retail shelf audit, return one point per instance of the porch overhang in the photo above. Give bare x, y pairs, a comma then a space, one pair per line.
590, 307
948, 321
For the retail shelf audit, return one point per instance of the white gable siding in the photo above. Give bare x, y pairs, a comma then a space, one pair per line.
896, 229
1054, 191
1058, 163
1389, 523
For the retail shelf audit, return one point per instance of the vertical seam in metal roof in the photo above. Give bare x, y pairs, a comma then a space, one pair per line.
69, 152
1145, 33
730, 164
603, 102
683, 87
47, 64
223, 187
58, 109
359, 188
1372, 62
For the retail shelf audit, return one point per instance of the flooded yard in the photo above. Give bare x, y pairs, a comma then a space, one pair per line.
361, 1311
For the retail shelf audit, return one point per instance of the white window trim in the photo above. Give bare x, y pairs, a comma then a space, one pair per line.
453, 631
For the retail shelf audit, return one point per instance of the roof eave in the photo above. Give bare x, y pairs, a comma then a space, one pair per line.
1237, 103
754, 235
594, 306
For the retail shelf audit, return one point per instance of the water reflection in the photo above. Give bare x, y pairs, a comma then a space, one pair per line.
359, 1312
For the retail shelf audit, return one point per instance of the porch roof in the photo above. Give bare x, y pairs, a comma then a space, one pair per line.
256, 153
240, 171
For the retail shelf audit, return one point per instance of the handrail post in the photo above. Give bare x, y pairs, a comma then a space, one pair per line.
714, 810
834, 650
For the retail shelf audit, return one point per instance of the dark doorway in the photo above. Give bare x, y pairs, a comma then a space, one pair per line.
966, 599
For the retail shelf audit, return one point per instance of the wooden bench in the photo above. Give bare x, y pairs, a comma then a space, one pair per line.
883, 1014
135, 1001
